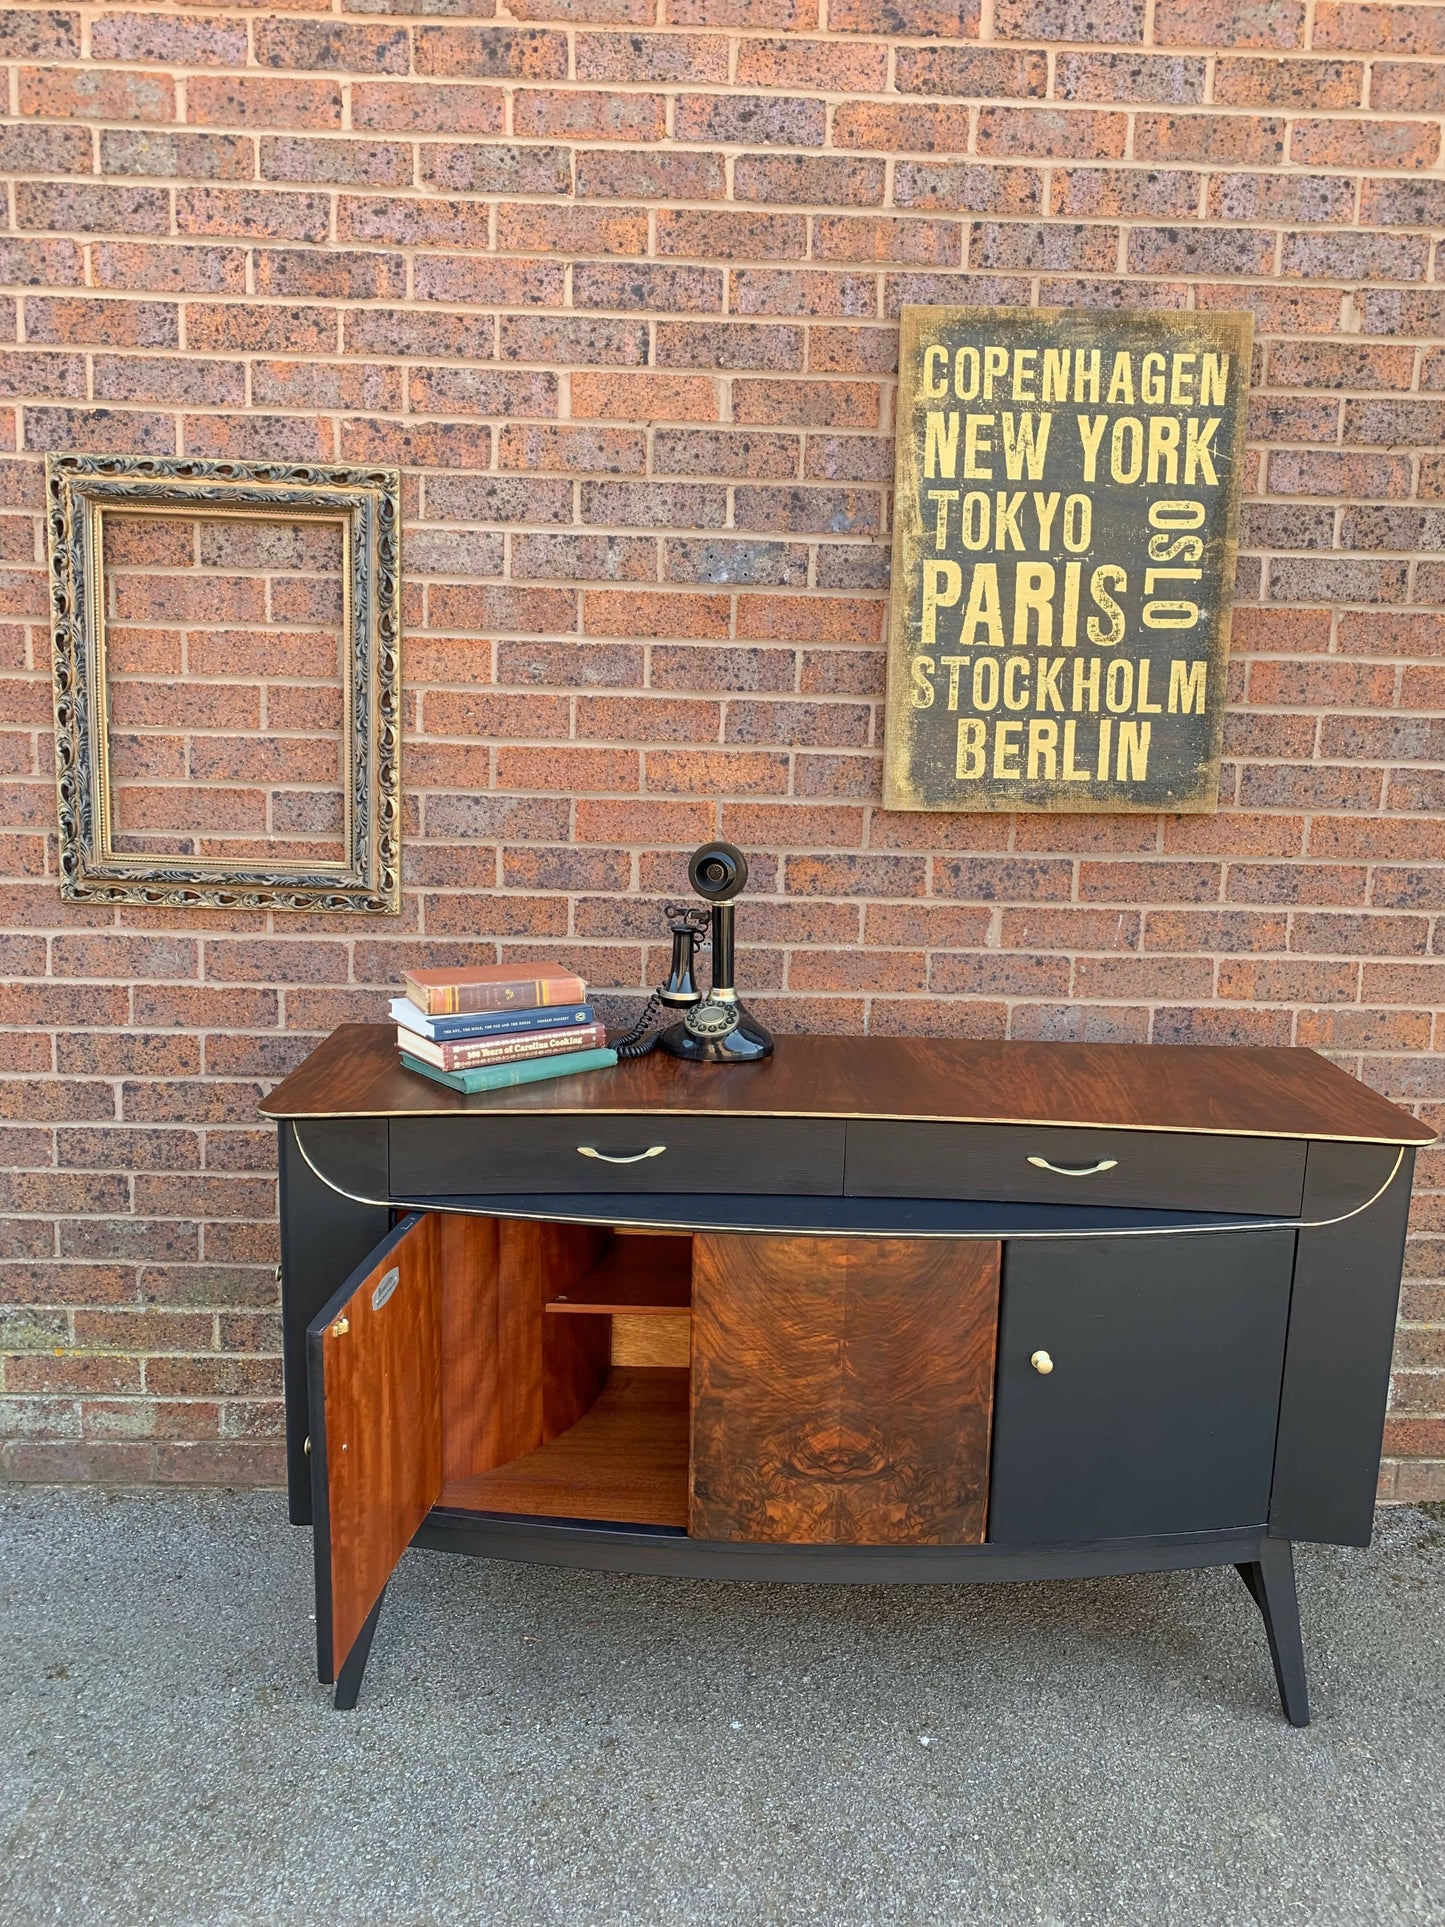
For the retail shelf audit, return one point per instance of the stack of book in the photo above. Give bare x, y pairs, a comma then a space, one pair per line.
483, 1028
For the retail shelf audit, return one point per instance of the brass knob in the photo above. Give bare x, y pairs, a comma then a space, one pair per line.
341, 1327
1042, 1363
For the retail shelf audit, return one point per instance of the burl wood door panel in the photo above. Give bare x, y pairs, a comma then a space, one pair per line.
842, 1389
376, 1431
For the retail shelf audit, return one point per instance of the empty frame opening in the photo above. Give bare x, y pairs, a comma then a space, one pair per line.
224, 690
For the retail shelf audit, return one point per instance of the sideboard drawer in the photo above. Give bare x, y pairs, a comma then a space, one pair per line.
1163, 1170
453, 1156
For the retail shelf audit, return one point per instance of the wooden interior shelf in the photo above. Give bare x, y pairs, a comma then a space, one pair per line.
625, 1460
634, 1275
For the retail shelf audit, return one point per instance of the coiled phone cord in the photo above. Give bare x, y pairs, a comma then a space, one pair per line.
633, 1043
638, 1041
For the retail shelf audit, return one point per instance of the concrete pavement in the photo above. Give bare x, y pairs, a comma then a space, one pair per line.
541, 1747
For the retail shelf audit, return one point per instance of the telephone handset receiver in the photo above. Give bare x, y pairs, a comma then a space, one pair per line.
716, 1028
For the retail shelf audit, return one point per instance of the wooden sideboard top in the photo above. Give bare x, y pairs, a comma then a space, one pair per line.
1236, 1091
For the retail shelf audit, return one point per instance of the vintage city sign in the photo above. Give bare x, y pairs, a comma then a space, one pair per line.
1063, 557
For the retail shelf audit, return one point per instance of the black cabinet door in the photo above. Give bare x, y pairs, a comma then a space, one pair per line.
1138, 1384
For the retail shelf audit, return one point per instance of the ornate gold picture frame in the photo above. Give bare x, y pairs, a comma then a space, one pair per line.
86, 492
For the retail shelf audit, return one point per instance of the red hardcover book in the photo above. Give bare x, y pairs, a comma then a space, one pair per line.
471, 1053
450, 993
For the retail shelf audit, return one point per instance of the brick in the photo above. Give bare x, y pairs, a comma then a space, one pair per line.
570, 770
808, 510
1282, 197
1008, 244
1378, 26
482, 391
1289, 83
618, 612
1407, 87
583, 558
1069, 19
166, 40
1330, 472
916, 127
1220, 1025
45, 150
1166, 80
735, 562
437, 336
842, 237
693, 59
748, 119
1402, 203
73, 93
801, 14
246, 328
802, 291
809, 179
1340, 365
466, 606
25, 374
398, 222
830, 404
74, 204
1231, 23
943, 19
728, 345
552, 115
832, 66
731, 236
329, 274
584, 339
1235, 139
331, 45
644, 398
539, 448
428, 107
192, 269
523, 227
636, 174
345, 163
491, 53
245, 101
837, 619
129, 324
153, 151
1364, 143
717, 772
599, 12
32, 263
496, 167
30, 34
727, 452
252, 213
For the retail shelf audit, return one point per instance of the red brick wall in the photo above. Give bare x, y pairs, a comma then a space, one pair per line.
615, 281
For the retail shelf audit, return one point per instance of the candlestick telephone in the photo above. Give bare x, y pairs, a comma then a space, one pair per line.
716, 1028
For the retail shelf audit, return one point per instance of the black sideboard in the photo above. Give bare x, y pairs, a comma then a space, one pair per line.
872, 1310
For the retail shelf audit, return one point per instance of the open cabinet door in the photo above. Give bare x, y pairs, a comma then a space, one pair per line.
373, 1363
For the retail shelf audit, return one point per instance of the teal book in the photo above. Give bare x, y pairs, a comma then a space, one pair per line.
531, 1070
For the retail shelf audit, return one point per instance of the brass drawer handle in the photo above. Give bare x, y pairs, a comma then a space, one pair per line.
1074, 1170
620, 1157
1042, 1363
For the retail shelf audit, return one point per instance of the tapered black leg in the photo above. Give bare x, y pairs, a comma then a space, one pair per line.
1270, 1580
348, 1680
